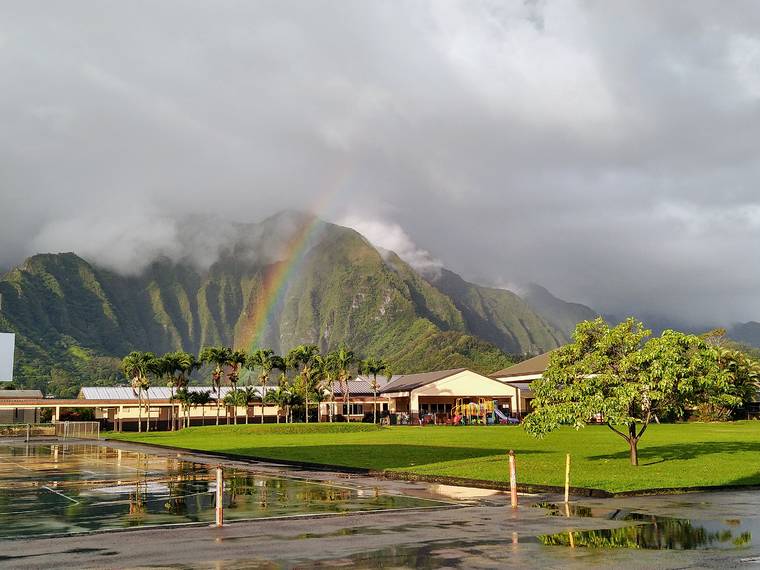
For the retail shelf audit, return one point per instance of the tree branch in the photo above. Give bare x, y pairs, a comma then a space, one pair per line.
646, 425
620, 433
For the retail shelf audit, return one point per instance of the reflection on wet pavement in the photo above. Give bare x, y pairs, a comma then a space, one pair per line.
68, 488
649, 531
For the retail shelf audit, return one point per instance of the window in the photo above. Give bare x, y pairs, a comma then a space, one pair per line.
356, 409
435, 408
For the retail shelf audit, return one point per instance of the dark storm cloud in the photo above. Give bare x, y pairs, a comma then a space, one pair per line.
604, 149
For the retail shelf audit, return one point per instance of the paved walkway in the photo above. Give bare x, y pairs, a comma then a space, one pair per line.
478, 530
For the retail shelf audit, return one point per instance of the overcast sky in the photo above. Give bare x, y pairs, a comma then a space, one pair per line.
607, 150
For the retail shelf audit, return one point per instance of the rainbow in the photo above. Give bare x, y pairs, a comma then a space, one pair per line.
275, 281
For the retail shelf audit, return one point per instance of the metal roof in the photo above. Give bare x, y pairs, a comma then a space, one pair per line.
408, 382
154, 393
536, 365
25, 394
362, 385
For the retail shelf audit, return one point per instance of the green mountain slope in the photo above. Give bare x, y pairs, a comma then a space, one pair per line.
747, 333
560, 314
74, 320
498, 316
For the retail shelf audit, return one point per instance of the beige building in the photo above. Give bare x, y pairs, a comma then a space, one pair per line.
438, 392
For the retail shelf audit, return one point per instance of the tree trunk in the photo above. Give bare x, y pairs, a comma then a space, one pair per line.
263, 395
218, 404
332, 400
348, 401
374, 406
306, 403
139, 411
147, 399
634, 451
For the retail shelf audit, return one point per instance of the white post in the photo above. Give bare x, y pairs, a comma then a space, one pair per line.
219, 496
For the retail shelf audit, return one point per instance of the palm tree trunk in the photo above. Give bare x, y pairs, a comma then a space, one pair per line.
332, 400
306, 402
348, 402
218, 403
139, 411
263, 394
147, 398
172, 421
374, 402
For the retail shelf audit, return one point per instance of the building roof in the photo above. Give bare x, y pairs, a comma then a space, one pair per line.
154, 393
19, 394
532, 366
408, 382
362, 385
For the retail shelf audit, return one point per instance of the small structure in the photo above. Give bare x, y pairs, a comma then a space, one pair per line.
18, 406
520, 376
437, 393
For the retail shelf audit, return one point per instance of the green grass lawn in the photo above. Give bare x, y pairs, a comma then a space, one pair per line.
672, 455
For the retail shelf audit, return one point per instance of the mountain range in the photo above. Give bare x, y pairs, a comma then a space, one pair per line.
289, 279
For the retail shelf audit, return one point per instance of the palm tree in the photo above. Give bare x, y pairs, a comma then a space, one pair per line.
201, 399
236, 360
280, 397
136, 366
342, 362
184, 397
235, 399
372, 367
218, 356
176, 367
301, 358
265, 360
325, 364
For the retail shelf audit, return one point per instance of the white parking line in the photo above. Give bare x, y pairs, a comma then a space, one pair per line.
61, 494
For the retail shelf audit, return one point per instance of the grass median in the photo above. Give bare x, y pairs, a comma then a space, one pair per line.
671, 455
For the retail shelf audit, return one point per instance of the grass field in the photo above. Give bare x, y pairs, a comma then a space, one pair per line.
671, 455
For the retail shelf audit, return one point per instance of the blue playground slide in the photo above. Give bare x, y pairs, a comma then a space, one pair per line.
503, 417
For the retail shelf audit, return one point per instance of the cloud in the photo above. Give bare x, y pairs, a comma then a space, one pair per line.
605, 150
388, 236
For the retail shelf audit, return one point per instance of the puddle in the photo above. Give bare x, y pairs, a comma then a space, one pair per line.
55, 489
650, 531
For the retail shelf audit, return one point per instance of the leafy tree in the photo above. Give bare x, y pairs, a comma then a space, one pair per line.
137, 366
218, 357
615, 374
302, 359
372, 367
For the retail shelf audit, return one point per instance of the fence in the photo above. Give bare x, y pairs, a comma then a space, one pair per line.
77, 430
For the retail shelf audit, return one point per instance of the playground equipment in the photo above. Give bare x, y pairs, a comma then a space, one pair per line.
473, 413
482, 412
502, 418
